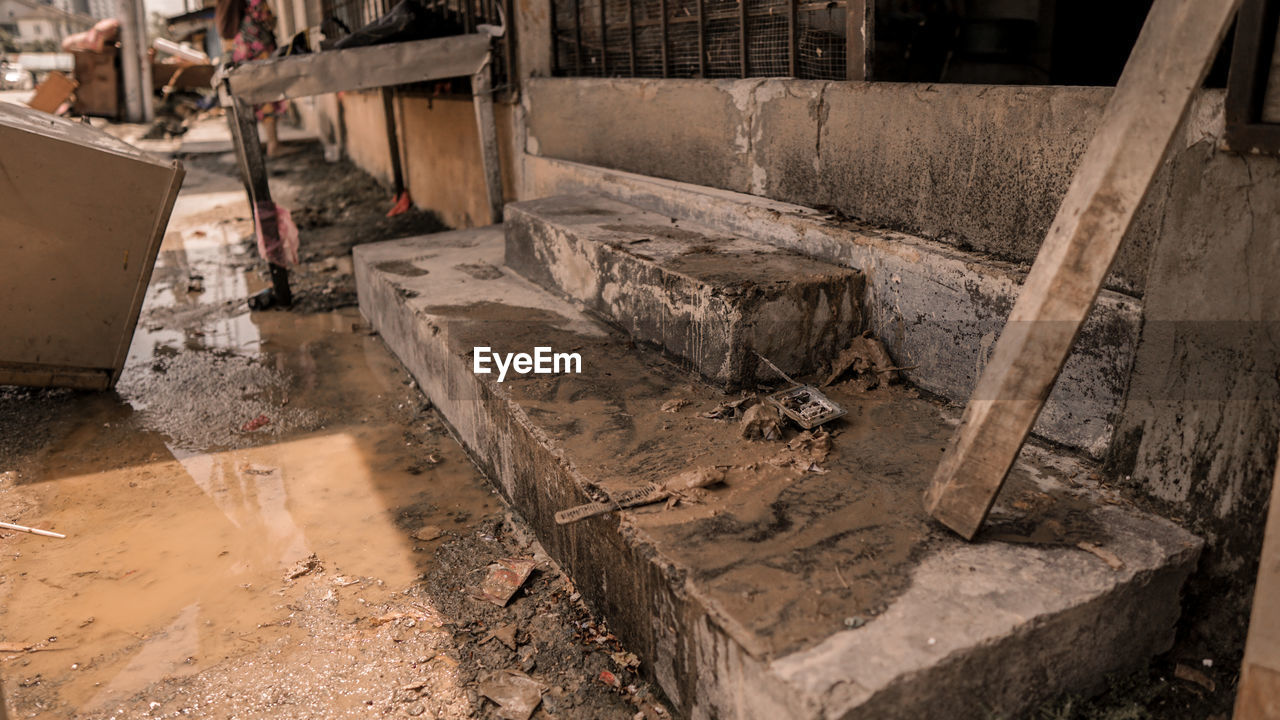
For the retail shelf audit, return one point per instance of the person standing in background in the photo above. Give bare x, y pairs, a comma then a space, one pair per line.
250, 25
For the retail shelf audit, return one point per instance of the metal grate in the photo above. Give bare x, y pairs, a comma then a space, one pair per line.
700, 38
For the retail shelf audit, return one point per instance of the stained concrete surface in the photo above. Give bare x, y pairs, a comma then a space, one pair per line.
938, 310
708, 299
267, 519
979, 167
789, 591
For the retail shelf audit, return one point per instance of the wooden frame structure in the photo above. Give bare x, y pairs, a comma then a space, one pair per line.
362, 68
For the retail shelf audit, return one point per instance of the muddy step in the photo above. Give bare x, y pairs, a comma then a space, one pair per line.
703, 297
809, 584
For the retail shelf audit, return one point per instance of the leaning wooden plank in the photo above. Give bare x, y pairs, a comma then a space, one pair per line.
1258, 695
358, 68
482, 94
1168, 63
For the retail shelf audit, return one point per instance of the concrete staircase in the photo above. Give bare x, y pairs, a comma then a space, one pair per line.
809, 584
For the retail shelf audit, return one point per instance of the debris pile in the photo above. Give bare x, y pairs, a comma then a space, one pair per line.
866, 362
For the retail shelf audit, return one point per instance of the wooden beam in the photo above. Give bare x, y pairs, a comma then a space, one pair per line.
490, 163
1167, 66
1258, 697
358, 68
859, 38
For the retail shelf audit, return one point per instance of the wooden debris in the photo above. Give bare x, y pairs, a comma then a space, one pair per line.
1107, 556
504, 578
651, 493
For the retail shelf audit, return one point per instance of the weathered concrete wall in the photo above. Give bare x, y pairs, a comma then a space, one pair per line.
1202, 417
439, 149
366, 137
983, 168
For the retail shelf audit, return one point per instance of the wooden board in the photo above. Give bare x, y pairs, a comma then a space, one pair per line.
1259, 694
51, 93
359, 68
1173, 53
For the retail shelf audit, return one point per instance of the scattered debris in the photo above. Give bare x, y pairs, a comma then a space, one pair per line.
256, 424
388, 618
505, 634
305, 566
609, 679
264, 299
805, 451
761, 422
504, 578
730, 410
1107, 556
803, 404
516, 694
674, 405
677, 485
806, 406
625, 660
1192, 675
427, 533
33, 531
870, 362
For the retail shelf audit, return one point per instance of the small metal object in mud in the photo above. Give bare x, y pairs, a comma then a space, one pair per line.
805, 405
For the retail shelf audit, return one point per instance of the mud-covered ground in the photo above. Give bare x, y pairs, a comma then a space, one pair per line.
266, 518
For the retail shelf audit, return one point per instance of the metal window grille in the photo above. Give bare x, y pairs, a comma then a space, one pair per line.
700, 38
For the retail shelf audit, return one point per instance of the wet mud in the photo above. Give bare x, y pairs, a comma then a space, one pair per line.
266, 518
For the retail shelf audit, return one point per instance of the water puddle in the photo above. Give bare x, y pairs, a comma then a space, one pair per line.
237, 447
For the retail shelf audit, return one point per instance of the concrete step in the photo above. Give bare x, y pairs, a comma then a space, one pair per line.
703, 297
786, 592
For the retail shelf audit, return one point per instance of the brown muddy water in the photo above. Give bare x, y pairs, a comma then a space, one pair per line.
241, 517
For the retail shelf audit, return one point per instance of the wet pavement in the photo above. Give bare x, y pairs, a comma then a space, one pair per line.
266, 519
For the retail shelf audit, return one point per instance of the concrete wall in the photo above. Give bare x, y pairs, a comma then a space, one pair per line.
980, 167
1202, 418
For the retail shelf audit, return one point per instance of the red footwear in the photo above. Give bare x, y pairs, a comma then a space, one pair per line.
402, 204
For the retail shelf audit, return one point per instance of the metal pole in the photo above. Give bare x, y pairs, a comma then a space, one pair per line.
129, 65
144, 61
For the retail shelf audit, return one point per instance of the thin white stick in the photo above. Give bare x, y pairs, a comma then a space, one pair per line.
33, 531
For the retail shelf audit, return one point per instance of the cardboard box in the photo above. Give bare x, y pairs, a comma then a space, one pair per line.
82, 215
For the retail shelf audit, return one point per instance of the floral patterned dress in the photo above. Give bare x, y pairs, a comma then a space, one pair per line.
256, 41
